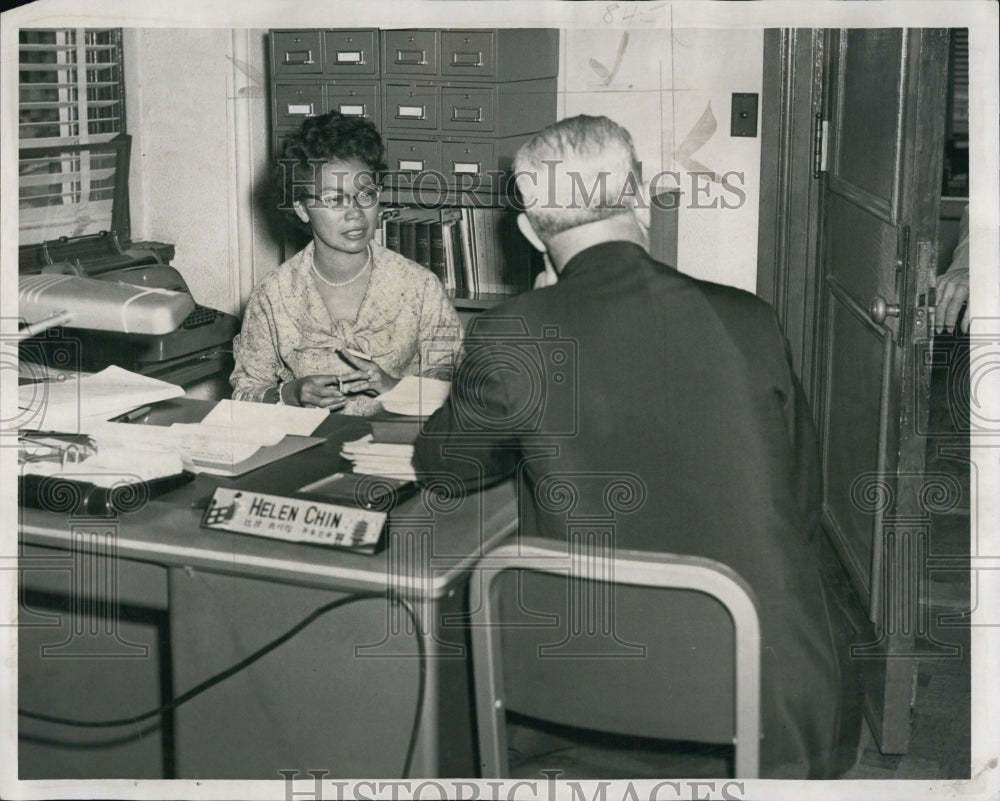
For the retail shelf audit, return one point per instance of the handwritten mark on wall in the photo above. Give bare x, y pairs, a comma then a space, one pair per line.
700, 133
255, 88
608, 75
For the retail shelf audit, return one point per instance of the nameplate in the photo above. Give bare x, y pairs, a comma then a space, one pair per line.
294, 519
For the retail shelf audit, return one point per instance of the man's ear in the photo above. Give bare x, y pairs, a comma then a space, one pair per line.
641, 207
300, 211
529, 232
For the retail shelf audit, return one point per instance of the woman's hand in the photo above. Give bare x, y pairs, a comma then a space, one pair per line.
371, 378
323, 391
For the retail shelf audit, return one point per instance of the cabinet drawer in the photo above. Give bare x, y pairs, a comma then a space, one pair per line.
410, 52
296, 52
351, 53
407, 158
466, 165
411, 107
468, 109
468, 53
357, 100
294, 102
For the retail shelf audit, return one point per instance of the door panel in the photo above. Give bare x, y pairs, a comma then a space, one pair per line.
867, 118
885, 92
850, 447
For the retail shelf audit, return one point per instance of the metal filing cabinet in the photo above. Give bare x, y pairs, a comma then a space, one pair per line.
453, 106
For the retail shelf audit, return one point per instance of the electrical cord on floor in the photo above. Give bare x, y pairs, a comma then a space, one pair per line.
254, 657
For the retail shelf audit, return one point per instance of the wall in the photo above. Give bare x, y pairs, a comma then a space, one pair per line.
197, 110
672, 90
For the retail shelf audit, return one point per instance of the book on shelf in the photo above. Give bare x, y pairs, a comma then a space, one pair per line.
443, 252
422, 238
474, 251
391, 227
451, 235
408, 234
469, 254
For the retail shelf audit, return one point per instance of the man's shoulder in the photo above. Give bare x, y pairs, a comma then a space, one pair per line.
734, 302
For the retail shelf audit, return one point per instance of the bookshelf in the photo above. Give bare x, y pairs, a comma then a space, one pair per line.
453, 106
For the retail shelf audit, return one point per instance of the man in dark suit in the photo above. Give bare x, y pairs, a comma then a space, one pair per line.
625, 367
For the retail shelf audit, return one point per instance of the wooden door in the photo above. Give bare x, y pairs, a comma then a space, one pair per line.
885, 114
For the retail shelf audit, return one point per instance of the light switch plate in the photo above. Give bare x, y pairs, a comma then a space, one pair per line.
744, 114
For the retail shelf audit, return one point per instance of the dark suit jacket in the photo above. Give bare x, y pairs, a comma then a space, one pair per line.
683, 390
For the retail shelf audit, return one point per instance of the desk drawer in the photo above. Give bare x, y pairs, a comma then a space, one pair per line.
296, 101
351, 53
296, 52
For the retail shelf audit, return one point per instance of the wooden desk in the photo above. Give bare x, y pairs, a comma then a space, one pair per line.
340, 696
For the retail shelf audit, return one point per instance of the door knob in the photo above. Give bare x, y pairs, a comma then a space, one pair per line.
879, 310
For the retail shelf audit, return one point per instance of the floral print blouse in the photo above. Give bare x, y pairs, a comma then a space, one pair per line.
406, 323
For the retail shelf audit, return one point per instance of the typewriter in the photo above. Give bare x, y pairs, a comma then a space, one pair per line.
197, 355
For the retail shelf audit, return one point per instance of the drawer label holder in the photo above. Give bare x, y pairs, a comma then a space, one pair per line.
294, 519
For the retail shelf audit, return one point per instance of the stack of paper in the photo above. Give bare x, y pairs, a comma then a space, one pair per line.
415, 395
271, 421
195, 442
69, 405
393, 460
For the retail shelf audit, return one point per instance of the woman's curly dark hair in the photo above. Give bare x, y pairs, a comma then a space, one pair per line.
329, 137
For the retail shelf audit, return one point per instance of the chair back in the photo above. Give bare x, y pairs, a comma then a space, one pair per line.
635, 643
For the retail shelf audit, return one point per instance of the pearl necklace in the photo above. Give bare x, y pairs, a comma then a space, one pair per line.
328, 282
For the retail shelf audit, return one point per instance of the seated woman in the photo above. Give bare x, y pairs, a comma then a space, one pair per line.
309, 324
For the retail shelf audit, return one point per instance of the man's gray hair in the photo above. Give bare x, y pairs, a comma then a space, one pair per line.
576, 171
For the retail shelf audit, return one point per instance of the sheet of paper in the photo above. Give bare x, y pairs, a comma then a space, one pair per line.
415, 395
194, 442
61, 405
266, 419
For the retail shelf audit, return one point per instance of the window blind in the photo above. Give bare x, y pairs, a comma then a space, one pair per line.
959, 111
70, 92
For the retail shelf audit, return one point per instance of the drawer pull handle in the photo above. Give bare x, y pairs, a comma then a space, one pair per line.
466, 167
466, 58
466, 114
351, 111
300, 109
299, 57
411, 57
350, 57
411, 165
411, 112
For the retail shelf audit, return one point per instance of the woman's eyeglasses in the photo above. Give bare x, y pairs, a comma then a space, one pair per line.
337, 201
